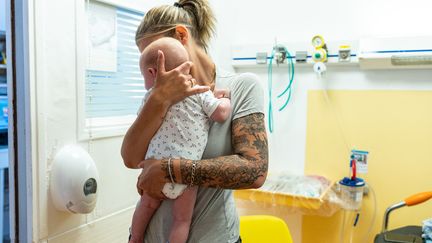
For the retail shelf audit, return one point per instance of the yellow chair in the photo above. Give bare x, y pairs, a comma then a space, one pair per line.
264, 229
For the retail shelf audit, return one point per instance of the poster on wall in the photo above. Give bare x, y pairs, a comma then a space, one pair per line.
101, 37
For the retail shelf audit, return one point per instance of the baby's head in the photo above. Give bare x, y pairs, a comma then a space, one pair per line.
174, 52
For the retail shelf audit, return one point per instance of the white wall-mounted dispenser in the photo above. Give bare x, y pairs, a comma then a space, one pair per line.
74, 180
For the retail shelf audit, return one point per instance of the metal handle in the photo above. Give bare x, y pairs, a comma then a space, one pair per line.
387, 214
418, 198
409, 201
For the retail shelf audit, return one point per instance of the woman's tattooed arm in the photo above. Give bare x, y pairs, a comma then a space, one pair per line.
246, 168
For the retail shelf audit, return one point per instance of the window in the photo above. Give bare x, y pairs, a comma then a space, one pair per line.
113, 86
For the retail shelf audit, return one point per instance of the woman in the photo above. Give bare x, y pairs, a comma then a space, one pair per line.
236, 155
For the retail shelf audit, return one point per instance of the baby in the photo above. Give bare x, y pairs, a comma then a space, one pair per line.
183, 134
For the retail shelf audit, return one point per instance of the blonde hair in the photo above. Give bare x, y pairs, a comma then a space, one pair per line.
194, 14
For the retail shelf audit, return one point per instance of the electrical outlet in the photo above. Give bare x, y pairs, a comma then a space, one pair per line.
344, 54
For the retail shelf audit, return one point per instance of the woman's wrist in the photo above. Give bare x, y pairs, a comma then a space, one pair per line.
176, 171
171, 167
166, 167
159, 99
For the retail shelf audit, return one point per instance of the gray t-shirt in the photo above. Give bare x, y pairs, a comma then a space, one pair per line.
215, 219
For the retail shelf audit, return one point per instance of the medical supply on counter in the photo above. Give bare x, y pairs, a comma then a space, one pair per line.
307, 186
427, 230
308, 194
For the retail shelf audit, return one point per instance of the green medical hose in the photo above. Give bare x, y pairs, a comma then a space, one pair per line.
270, 84
270, 105
291, 79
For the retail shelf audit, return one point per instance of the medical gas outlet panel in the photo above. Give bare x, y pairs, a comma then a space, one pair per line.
372, 53
302, 54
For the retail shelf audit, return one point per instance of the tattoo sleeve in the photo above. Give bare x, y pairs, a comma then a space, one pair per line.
166, 170
246, 168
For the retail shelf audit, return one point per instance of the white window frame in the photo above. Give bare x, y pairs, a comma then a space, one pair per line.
90, 128
20, 95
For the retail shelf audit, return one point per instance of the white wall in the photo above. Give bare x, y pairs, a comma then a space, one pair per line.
255, 22
56, 121
240, 22
245, 23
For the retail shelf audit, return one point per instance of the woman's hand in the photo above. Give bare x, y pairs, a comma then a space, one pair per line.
175, 85
152, 179
169, 88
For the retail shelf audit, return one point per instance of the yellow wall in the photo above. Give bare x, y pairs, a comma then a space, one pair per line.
396, 128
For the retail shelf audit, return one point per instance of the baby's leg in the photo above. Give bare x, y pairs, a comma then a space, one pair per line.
182, 215
142, 215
